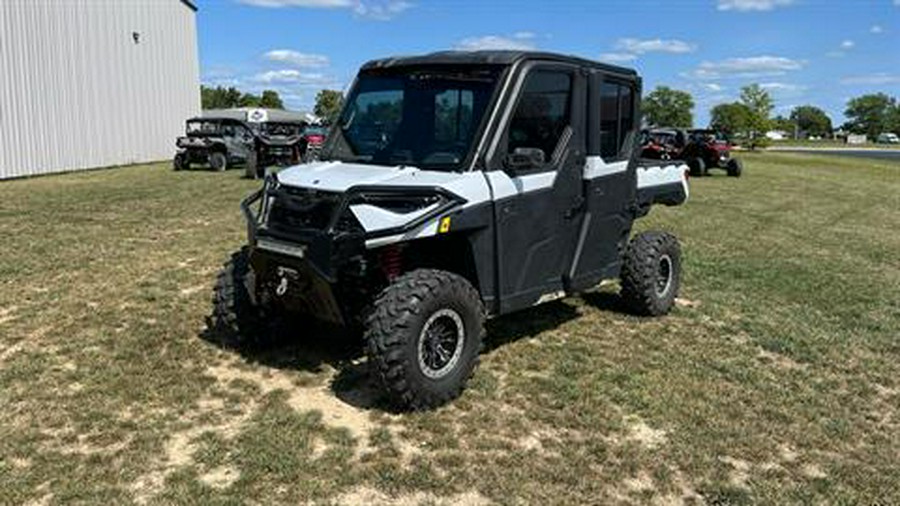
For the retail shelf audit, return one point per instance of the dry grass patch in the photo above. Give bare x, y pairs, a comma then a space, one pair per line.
773, 381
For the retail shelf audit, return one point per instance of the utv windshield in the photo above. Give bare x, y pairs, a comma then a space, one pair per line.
285, 129
426, 118
203, 127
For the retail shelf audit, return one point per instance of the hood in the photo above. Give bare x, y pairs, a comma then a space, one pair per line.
339, 176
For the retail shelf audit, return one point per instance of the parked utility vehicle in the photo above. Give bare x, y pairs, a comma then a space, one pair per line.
455, 187
700, 149
710, 149
223, 142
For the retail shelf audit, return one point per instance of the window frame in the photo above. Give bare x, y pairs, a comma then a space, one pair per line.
553, 161
595, 118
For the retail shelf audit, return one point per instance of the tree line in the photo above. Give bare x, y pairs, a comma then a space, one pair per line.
221, 97
328, 102
750, 117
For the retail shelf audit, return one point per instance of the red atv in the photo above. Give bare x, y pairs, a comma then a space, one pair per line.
662, 144
700, 149
709, 149
314, 136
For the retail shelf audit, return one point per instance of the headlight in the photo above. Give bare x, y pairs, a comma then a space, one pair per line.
397, 211
399, 203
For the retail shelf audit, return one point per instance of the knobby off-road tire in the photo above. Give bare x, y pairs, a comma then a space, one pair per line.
251, 166
698, 167
218, 161
180, 162
735, 167
236, 320
413, 337
651, 273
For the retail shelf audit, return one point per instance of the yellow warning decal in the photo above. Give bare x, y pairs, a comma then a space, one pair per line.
445, 225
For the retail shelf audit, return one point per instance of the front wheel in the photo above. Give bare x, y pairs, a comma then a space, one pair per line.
251, 166
237, 319
698, 167
651, 273
735, 167
218, 161
180, 162
424, 336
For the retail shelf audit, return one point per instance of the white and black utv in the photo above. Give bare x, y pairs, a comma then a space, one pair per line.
222, 142
455, 187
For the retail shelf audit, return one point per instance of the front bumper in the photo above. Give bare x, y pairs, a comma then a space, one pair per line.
323, 249
297, 271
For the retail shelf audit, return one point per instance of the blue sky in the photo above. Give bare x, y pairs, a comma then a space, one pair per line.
817, 52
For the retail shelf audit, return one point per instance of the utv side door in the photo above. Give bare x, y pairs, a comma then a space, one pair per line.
535, 173
609, 178
236, 141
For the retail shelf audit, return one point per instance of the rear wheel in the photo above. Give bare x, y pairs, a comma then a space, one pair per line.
424, 336
218, 161
698, 167
651, 273
735, 167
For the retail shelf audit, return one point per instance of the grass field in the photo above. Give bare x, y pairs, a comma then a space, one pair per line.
828, 143
776, 380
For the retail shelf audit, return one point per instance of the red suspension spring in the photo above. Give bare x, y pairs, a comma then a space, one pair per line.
391, 260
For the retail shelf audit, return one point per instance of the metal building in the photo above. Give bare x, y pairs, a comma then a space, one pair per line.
94, 83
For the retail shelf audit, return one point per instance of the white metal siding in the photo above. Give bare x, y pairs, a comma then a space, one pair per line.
77, 92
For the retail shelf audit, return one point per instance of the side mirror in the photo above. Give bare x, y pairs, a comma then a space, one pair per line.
523, 159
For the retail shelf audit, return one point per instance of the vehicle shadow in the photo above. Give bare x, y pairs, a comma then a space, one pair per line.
301, 345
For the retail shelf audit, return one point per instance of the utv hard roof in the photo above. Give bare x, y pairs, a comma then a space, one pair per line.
489, 57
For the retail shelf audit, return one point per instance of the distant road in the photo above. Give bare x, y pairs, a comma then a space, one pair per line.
878, 154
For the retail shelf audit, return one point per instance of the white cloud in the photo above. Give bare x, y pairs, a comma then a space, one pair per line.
847, 44
639, 46
381, 11
292, 76
278, 76
297, 58
313, 4
755, 66
617, 57
876, 29
519, 41
374, 9
879, 79
753, 5
784, 88
713, 87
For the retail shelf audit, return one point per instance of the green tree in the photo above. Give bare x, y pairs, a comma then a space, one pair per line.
667, 107
733, 119
328, 105
219, 97
760, 104
271, 100
248, 100
871, 114
811, 120
227, 98
894, 120
784, 124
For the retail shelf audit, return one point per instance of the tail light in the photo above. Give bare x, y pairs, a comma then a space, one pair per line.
315, 139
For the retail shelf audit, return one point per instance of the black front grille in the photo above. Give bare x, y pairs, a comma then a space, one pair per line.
297, 209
